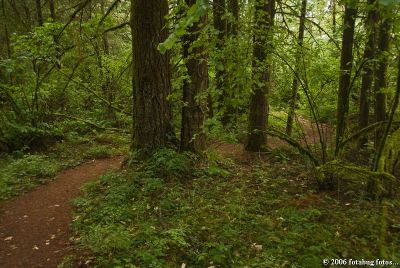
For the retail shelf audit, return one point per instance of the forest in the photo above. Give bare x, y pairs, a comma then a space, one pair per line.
199, 133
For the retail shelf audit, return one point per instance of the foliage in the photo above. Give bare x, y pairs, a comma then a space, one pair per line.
24, 173
264, 216
17, 137
98, 152
193, 15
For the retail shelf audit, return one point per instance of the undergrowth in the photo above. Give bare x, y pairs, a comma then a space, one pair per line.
25, 173
23, 170
177, 209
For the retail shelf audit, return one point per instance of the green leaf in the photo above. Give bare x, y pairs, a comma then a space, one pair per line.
193, 15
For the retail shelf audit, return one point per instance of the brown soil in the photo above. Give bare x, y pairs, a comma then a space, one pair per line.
34, 228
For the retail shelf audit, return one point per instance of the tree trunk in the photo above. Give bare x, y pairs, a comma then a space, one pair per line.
258, 112
333, 3
192, 137
368, 69
39, 13
52, 10
108, 86
152, 75
346, 64
381, 73
230, 89
233, 8
295, 83
6, 33
386, 132
53, 16
220, 24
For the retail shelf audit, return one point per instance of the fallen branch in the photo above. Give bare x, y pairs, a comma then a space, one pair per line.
89, 122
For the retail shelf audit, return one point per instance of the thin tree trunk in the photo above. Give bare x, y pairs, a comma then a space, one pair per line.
220, 24
53, 16
52, 10
333, 3
6, 34
368, 70
233, 8
346, 64
152, 75
39, 12
107, 86
230, 89
258, 112
381, 73
295, 83
192, 137
390, 121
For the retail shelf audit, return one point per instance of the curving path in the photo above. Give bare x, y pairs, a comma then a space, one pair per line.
34, 228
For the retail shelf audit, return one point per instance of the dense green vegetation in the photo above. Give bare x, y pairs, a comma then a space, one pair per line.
175, 209
256, 133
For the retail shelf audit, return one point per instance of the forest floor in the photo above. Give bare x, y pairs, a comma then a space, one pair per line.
34, 228
227, 208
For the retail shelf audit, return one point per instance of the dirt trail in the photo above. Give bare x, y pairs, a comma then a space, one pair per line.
309, 136
34, 228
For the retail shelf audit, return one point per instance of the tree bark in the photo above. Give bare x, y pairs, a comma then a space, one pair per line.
346, 64
381, 73
368, 69
152, 75
258, 112
192, 137
295, 83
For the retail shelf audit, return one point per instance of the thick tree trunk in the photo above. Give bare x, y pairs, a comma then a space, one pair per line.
295, 83
258, 112
152, 75
368, 70
192, 137
381, 72
346, 64
39, 12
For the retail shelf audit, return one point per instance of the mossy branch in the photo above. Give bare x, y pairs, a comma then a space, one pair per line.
87, 122
363, 132
352, 173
